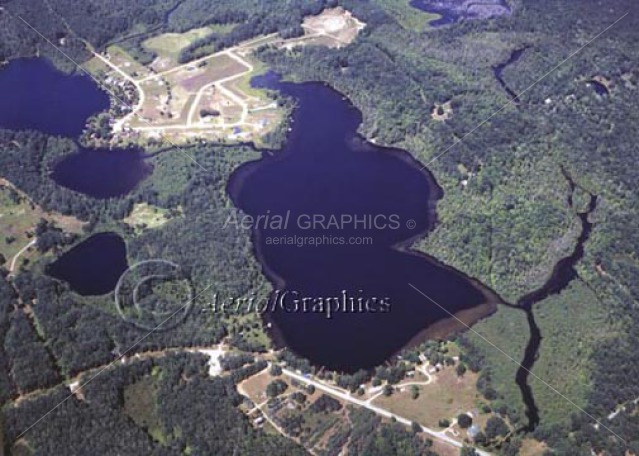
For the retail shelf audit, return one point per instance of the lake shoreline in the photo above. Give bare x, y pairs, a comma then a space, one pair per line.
442, 328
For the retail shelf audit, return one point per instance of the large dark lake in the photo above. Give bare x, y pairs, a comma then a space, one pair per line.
36, 96
326, 169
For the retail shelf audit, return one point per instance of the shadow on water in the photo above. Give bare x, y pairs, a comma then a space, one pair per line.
326, 169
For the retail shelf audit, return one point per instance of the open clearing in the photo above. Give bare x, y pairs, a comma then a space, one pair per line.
208, 98
407, 16
145, 216
18, 219
168, 45
445, 397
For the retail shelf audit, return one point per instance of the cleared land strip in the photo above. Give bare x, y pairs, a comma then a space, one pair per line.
210, 56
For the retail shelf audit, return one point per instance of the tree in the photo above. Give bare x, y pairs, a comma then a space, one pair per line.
460, 369
310, 389
275, 388
444, 422
480, 438
468, 451
490, 393
299, 397
275, 370
388, 390
416, 427
464, 420
495, 426
414, 392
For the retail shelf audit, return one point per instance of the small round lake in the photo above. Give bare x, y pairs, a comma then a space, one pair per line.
92, 267
102, 173
327, 171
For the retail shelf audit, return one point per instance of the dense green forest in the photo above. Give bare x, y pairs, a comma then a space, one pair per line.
162, 406
511, 221
505, 217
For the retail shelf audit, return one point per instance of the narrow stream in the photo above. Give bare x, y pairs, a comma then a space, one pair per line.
499, 69
563, 273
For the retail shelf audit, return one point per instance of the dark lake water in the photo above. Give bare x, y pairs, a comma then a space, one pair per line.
326, 169
102, 173
36, 96
452, 11
94, 266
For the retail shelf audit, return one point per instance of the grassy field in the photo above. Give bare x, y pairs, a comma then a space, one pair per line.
126, 62
572, 324
445, 397
18, 218
244, 83
508, 330
409, 17
168, 45
145, 216
139, 405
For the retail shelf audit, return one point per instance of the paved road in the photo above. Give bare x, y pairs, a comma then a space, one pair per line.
134, 109
380, 411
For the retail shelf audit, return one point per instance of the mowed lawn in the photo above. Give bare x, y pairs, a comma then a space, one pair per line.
216, 68
445, 397
18, 217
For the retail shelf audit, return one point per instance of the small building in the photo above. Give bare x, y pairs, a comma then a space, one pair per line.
473, 431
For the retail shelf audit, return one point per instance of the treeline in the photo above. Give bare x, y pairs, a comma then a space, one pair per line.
252, 22
7, 303
18, 39
614, 389
368, 435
